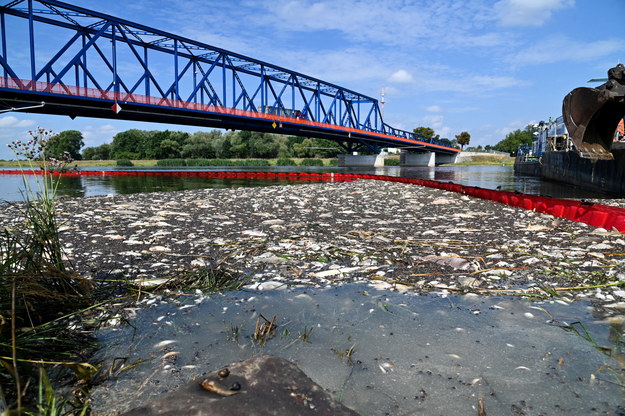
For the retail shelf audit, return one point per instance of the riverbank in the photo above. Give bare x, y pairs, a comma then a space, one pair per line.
472, 159
154, 162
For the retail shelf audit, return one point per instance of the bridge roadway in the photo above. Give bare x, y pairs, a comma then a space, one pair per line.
74, 82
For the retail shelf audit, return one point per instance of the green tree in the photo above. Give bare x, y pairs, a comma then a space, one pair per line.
464, 139
168, 149
200, 145
102, 152
515, 139
304, 149
88, 153
69, 141
150, 143
238, 144
323, 148
221, 145
427, 133
129, 142
262, 145
284, 150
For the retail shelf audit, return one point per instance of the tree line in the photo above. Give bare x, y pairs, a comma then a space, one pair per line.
141, 144
459, 142
137, 144
509, 144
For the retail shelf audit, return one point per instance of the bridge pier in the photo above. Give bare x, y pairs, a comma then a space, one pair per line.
376, 161
408, 159
446, 158
417, 159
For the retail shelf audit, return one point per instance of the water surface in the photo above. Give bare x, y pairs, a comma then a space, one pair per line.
379, 352
491, 177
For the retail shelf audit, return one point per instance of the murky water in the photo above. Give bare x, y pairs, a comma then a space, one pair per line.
491, 177
380, 352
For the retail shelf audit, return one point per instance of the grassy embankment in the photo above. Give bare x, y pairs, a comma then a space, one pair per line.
147, 163
486, 160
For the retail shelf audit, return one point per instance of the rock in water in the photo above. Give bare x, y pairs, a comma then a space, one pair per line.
260, 386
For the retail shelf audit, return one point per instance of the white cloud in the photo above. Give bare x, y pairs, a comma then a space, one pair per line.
562, 49
443, 81
401, 77
528, 12
434, 109
11, 122
98, 134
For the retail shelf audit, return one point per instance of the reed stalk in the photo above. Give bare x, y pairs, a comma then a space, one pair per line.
42, 284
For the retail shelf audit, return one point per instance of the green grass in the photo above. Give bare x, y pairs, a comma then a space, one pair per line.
207, 279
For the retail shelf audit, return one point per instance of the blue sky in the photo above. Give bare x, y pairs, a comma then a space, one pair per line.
486, 67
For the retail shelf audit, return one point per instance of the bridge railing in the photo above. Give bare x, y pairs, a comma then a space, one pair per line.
122, 98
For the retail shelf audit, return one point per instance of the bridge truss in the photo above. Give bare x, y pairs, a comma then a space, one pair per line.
58, 58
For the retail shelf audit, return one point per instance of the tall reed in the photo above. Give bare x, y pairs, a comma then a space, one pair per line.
37, 285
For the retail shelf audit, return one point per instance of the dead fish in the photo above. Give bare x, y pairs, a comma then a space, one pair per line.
213, 387
481, 409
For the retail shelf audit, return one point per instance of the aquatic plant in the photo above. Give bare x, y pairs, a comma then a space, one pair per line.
305, 334
311, 162
264, 330
210, 279
286, 162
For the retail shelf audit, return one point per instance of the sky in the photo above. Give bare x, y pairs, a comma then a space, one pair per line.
485, 67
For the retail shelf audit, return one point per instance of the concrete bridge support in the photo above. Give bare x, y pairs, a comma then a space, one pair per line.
376, 161
446, 158
417, 159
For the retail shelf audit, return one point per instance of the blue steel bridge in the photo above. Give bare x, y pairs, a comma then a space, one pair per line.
58, 58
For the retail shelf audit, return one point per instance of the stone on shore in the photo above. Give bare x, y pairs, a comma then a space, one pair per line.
259, 386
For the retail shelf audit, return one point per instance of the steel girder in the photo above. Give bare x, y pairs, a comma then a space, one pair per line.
68, 46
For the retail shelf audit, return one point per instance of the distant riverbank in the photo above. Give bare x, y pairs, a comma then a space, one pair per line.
485, 159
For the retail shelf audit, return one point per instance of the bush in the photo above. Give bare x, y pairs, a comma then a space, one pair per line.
333, 162
391, 162
124, 162
253, 162
311, 162
286, 162
227, 162
127, 155
171, 162
199, 162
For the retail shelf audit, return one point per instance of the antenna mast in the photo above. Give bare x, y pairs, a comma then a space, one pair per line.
382, 101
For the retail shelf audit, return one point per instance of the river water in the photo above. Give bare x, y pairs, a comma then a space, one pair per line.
379, 352
491, 177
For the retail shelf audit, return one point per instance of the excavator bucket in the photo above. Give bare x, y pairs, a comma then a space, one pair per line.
591, 115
